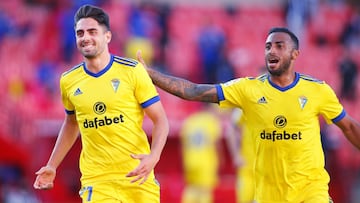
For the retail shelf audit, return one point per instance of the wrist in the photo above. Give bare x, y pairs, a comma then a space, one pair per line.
51, 167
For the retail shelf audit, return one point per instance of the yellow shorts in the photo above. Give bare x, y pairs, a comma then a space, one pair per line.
312, 192
121, 191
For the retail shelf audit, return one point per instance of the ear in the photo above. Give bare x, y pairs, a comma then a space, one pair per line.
108, 36
294, 54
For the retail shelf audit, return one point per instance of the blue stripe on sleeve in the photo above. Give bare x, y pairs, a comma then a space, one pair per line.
150, 101
69, 112
339, 117
220, 92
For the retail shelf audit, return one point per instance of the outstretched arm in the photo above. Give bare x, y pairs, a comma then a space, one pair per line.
351, 130
180, 87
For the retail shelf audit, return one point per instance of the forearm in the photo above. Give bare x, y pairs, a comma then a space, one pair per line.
351, 130
183, 88
353, 134
66, 139
159, 137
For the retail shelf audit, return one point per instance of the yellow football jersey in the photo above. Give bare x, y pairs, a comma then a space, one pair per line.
245, 183
285, 127
199, 135
109, 111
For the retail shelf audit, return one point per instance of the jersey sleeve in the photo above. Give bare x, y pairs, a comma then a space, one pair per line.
331, 108
230, 94
145, 90
69, 107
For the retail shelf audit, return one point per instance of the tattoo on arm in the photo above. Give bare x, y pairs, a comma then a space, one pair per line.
183, 88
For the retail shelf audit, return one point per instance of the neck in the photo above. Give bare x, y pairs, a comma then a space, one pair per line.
284, 79
98, 63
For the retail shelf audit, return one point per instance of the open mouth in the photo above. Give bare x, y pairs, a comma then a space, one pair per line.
273, 62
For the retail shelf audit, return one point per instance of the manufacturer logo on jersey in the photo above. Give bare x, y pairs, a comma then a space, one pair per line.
262, 100
115, 84
302, 100
77, 92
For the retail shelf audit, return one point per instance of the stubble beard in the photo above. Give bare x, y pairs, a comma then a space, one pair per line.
88, 55
283, 67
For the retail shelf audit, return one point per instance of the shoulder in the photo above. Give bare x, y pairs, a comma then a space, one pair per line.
310, 79
315, 85
312, 82
258, 79
127, 62
261, 78
72, 71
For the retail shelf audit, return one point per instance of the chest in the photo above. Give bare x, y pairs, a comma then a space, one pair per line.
112, 93
278, 108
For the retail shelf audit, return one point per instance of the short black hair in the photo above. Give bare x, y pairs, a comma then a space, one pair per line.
287, 31
90, 11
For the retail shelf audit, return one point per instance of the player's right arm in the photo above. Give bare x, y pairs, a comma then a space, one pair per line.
180, 87
65, 140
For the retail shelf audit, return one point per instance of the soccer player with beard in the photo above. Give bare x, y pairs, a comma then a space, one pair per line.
105, 99
282, 108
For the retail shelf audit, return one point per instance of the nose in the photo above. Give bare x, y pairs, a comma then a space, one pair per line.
271, 50
86, 36
84, 39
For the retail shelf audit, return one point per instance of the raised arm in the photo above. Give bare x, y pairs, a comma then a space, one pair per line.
180, 87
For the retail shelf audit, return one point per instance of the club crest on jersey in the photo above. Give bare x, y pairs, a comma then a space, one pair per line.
302, 100
115, 84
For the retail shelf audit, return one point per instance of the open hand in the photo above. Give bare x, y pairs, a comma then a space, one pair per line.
142, 172
45, 178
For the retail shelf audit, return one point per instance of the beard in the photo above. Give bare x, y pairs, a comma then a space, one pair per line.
283, 67
88, 54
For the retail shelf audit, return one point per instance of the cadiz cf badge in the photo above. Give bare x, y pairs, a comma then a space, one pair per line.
115, 84
302, 100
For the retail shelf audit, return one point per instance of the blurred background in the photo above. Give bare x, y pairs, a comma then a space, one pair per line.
204, 41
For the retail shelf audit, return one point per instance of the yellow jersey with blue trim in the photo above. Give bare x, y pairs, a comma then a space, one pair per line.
199, 135
109, 110
284, 125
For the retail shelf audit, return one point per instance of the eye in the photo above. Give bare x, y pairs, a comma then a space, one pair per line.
79, 33
267, 46
280, 45
93, 32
